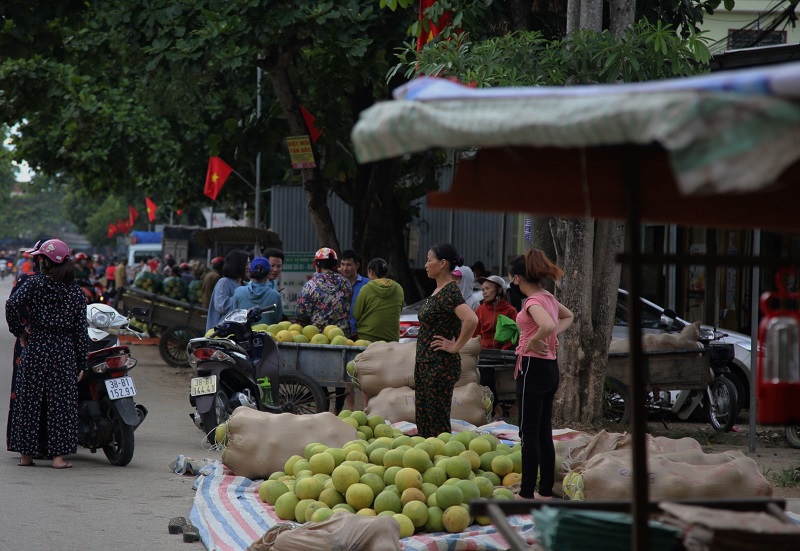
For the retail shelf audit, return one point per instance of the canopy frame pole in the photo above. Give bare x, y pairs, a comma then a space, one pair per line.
637, 363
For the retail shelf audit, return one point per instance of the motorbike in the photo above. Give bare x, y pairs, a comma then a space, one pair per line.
95, 291
107, 412
793, 435
717, 403
237, 366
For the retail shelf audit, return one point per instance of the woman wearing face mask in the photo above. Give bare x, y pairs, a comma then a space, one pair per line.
464, 278
494, 304
541, 319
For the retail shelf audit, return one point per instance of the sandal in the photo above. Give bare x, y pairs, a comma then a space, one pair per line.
177, 524
66, 465
190, 533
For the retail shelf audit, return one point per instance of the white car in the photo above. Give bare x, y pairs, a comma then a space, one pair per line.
655, 319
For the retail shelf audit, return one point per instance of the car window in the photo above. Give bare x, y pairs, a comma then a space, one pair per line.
651, 317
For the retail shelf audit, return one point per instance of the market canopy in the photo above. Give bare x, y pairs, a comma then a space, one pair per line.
715, 150
237, 235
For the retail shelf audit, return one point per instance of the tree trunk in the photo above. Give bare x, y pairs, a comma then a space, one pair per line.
623, 13
277, 67
589, 289
591, 15
573, 16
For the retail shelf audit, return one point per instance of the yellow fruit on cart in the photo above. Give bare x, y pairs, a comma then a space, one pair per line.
300, 339
284, 336
296, 327
362, 342
511, 478
273, 329
309, 331
339, 340
320, 339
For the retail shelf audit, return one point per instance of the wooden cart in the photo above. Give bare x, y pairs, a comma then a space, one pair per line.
173, 321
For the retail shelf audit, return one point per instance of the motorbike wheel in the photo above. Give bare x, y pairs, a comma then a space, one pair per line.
793, 436
300, 393
120, 451
616, 402
218, 413
721, 410
172, 345
740, 391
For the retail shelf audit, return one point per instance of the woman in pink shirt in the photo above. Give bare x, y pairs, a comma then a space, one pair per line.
541, 319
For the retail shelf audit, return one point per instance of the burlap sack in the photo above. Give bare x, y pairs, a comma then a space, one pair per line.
391, 365
397, 404
259, 443
341, 531
676, 475
685, 340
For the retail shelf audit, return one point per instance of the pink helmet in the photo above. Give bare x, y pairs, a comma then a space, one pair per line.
54, 249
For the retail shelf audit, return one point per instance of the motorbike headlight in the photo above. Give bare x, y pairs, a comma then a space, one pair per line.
101, 319
236, 316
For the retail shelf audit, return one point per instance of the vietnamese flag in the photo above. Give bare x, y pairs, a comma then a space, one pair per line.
309, 119
151, 209
435, 28
218, 172
112, 230
133, 214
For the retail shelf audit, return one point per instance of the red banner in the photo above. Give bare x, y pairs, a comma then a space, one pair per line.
218, 172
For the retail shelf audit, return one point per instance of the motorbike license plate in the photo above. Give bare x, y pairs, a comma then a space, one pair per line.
203, 385
120, 387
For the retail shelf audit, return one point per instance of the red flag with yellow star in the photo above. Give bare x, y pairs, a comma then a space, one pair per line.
151, 209
218, 172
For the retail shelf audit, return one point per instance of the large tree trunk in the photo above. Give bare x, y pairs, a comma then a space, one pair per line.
277, 67
589, 289
592, 15
623, 13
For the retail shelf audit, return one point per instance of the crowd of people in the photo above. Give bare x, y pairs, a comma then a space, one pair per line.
46, 303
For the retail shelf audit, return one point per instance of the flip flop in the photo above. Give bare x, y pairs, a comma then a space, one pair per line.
66, 465
31, 464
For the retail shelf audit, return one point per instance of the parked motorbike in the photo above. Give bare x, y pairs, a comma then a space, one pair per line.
237, 366
95, 291
718, 402
107, 412
793, 436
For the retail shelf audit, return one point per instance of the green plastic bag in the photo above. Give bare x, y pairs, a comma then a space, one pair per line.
506, 330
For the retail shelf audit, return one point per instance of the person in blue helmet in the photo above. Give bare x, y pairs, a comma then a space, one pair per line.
258, 292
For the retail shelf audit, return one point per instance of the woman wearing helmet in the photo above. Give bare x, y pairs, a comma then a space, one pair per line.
48, 315
234, 271
325, 298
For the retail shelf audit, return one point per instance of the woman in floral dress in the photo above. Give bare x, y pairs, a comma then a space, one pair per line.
55, 347
446, 324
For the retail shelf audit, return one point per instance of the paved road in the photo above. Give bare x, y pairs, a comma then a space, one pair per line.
96, 506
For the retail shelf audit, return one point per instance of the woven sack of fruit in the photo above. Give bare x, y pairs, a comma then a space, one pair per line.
174, 287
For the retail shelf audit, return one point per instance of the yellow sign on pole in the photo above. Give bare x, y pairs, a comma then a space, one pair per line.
300, 152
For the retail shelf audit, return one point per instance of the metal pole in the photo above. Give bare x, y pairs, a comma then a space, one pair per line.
754, 295
257, 219
637, 363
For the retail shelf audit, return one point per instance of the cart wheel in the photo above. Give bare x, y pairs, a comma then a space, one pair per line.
616, 402
172, 345
300, 393
793, 436
723, 404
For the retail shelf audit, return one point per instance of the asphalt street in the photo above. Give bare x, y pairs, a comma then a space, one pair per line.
95, 505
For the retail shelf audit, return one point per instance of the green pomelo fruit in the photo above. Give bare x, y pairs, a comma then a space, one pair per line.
434, 523
469, 489
502, 465
412, 494
377, 469
307, 453
493, 478
464, 437
393, 458
449, 495
274, 492
392, 488
453, 448
300, 510
486, 460
428, 489
417, 511
485, 486
367, 512
406, 526
375, 420
387, 514
308, 488
445, 437
359, 496
344, 507
277, 475
473, 458
300, 466
408, 478
390, 474
458, 467
263, 487
492, 439
431, 501
313, 508
221, 434
360, 466
357, 456
504, 449
344, 413
479, 445
338, 455
387, 500
366, 431
285, 506
417, 460
438, 446
516, 461
343, 477
331, 497
288, 467
504, 492
402, 440
321, 515
382, 431
455, 519
322, 463
377, 444
427, 447
435, 476
374, 481
359, 416
350, 421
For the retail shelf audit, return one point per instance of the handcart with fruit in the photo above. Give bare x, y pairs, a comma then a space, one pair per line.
174, 322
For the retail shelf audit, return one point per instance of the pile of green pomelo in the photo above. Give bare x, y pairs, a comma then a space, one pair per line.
424, 483
286, 331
